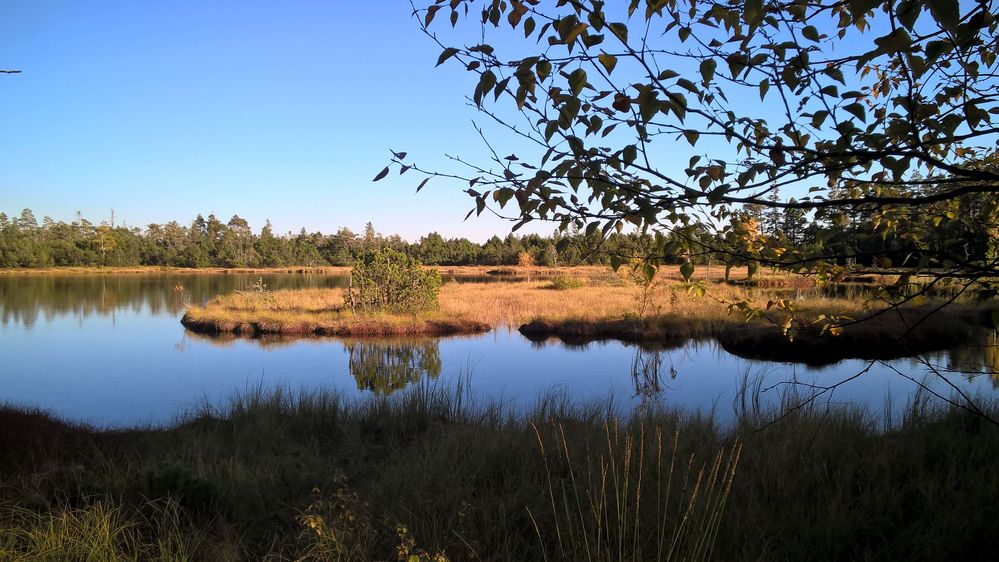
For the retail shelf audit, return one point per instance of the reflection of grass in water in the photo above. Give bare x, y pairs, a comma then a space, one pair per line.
293, 475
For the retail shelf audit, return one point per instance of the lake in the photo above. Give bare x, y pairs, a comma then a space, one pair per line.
109, 350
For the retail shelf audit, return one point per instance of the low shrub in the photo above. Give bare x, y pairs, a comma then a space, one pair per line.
385, 280
564, 283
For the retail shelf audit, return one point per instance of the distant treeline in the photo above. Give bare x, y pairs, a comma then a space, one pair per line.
852, 235
24, 242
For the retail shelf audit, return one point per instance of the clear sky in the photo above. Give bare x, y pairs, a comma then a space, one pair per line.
272, 110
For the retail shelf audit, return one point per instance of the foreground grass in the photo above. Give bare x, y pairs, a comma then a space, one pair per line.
285, 476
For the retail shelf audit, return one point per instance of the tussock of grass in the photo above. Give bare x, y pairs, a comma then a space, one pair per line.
288, 475
97, 530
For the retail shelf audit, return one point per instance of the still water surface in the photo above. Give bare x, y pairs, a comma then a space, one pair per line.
110, 351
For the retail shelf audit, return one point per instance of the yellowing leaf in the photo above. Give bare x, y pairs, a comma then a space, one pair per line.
608, 61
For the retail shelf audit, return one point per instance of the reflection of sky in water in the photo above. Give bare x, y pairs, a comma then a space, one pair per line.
132, 362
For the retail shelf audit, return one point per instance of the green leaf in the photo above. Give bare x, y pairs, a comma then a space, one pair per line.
544, 70
448, 53
857, 110
764, 86
896, 41
609, 62
431, 12
381, 174
517, 11
860, 8
908, 12
691, 136
577, 80
648, 105
649, 271
936, 48
629, 154
502, 195
946, 12
834, 73
687, 85
529, 27
708, 69
752, 13
737, 62
580, 27
620, 31
687, 270
811, 33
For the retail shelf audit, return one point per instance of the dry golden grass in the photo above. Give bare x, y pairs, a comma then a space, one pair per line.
604, 297
611, 305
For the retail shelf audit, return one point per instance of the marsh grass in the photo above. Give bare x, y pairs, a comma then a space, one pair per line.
284, 475
636, 500
593, 299
96, 530
606, 305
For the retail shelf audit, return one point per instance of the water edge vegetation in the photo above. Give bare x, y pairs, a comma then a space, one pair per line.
284, 475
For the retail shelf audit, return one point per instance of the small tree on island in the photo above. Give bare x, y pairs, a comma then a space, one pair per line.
386, 280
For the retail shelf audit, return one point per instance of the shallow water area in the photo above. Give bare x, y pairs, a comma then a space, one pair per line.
109, 350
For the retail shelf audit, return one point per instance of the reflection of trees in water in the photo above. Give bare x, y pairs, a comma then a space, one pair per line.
384, 367
25, 299
978, 356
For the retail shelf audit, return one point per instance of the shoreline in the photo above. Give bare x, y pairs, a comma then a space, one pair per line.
338, 328
498, 271
768, 343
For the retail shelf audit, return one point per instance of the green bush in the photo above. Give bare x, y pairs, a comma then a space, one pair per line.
386, 280
564, 283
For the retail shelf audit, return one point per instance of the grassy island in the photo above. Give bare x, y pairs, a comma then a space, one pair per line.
315, 312
581, 306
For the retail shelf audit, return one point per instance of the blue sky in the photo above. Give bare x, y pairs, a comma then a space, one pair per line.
272, 110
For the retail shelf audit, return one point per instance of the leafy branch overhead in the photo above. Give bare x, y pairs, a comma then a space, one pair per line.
679, 116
